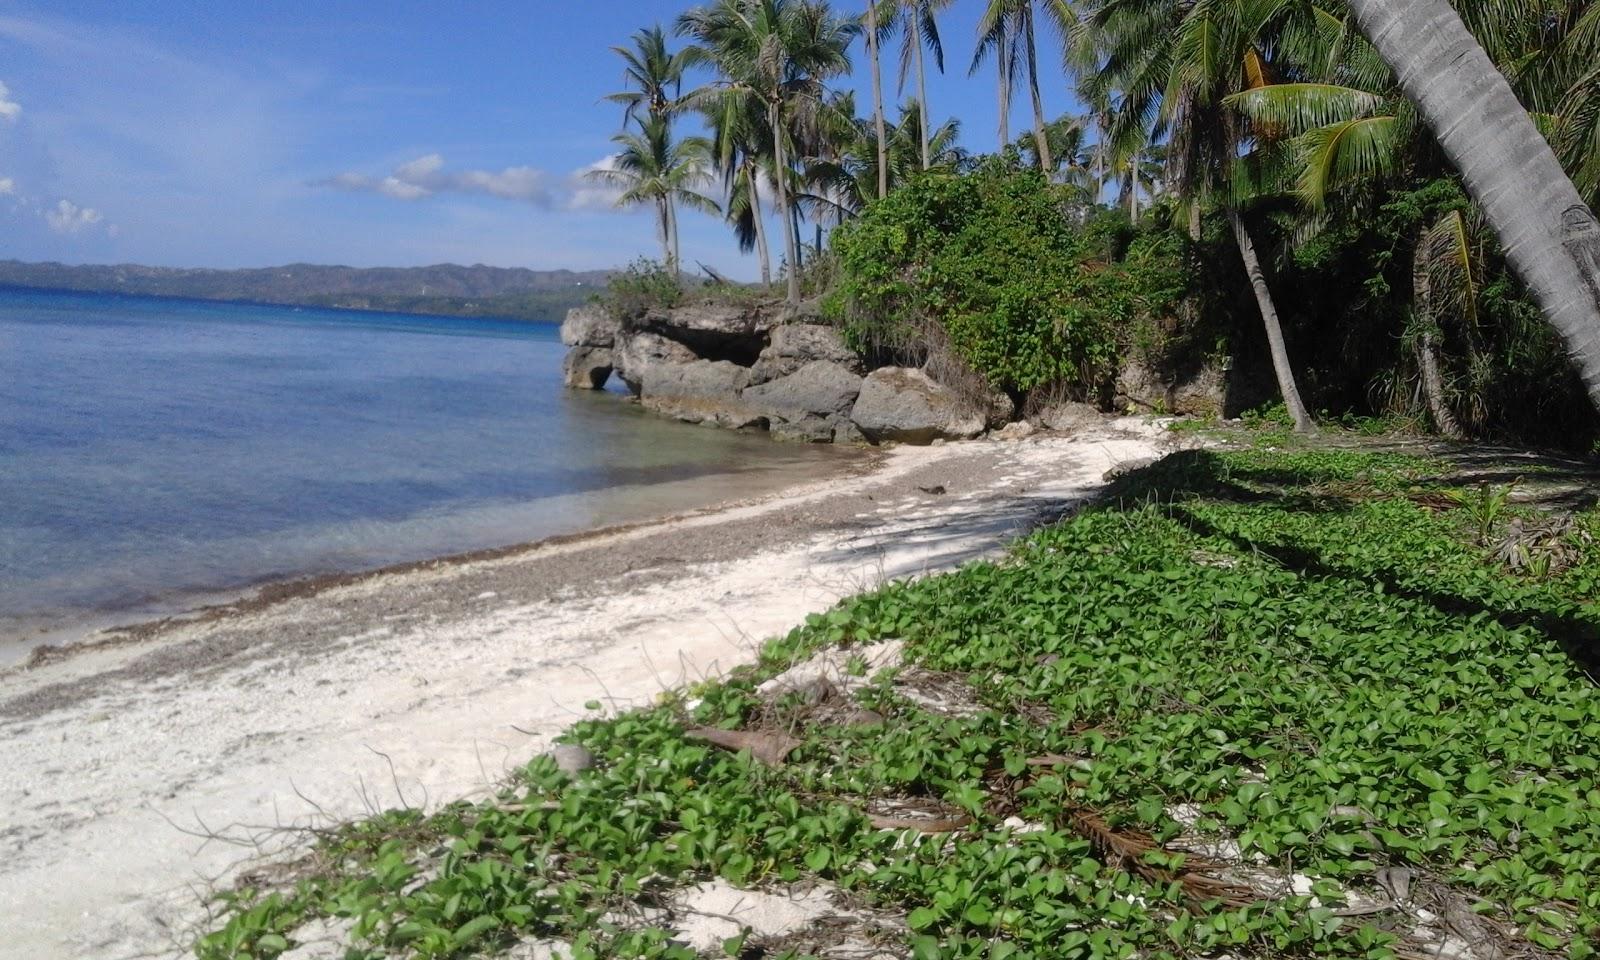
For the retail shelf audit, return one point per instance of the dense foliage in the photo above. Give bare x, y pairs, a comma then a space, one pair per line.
1030, 288
1318, 655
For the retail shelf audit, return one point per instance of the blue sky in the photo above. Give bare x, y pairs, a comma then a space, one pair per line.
223, 133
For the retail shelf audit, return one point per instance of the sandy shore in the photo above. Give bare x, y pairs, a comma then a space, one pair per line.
423, 685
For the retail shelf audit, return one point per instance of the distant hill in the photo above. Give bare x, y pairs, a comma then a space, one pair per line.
448, 289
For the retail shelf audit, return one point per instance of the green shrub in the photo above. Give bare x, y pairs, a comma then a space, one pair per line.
644, 285
999, 262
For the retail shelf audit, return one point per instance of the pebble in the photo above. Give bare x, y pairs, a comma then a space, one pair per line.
571, 759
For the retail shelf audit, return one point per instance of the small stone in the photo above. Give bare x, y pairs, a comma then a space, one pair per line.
571, 759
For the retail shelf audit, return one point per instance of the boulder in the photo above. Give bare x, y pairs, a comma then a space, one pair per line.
807, 430
793, 345
589, 326
638, 352
700, 391
908, 406
821, 388
587, 368
1021, 430
1200, 393
1067, 416
715, 331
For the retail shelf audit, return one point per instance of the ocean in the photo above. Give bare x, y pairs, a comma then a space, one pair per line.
154, 453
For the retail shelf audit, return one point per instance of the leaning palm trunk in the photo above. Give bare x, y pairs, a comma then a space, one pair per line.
1550, 236
664, 231
1040, 139
780, 164
877, 99
1269, 317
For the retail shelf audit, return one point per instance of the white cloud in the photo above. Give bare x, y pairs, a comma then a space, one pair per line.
9, 108
585, 193
68, 217
8, 186
426, 176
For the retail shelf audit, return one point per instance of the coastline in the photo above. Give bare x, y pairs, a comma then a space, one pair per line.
159, 763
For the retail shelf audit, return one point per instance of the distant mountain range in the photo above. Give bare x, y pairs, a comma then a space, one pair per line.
448, 289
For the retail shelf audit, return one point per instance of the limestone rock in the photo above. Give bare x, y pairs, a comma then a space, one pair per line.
587, 368
589, 326
821, 388
638, 352
699, 391
716, 331
1069, 417
794, 345
1021, 430
905, 405
1142, 387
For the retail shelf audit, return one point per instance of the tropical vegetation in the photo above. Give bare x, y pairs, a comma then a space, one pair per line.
1270, 133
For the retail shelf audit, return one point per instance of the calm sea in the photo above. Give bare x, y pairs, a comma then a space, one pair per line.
154, 451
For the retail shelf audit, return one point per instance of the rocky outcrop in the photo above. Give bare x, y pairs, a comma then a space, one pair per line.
793, 345
590, 326
908, 406
715, 331
639, 352
699, 391
587, 368
809, 404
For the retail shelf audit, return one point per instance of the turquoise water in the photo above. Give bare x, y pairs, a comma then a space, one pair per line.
156, 450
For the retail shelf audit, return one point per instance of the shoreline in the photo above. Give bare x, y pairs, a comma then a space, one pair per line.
97, 630
145, 773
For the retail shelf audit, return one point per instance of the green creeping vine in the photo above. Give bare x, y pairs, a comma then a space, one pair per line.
1307, 648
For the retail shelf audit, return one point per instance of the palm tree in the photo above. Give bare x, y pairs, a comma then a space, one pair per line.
919, 22
874, 38
652, 168
654, 74
837, 182
780, 52
1550, 236
743, 145
1006, 30
1178, 64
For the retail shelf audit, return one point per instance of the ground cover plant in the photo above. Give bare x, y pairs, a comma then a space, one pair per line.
1259, 703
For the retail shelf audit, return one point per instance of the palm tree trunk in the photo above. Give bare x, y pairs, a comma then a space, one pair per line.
1428, 348
672, 224
1002, 58
1550, 236
1041, 138
877, 98
780, 163
752, 174
922, 89
1269, 317
664, 232
1133, 194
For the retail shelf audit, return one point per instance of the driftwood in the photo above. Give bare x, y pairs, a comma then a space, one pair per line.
771, 749
925, 825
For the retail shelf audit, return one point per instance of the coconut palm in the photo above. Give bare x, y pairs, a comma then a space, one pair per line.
874, 35
1006, 30
653, 168
1550, 236
781, 52
918, 22
837, 183
654, 75
1169, 69
743, 155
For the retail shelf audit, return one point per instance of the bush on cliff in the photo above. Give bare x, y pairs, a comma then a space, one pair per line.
1025, 287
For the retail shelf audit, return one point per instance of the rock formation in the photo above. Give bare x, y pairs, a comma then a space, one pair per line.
739, 365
